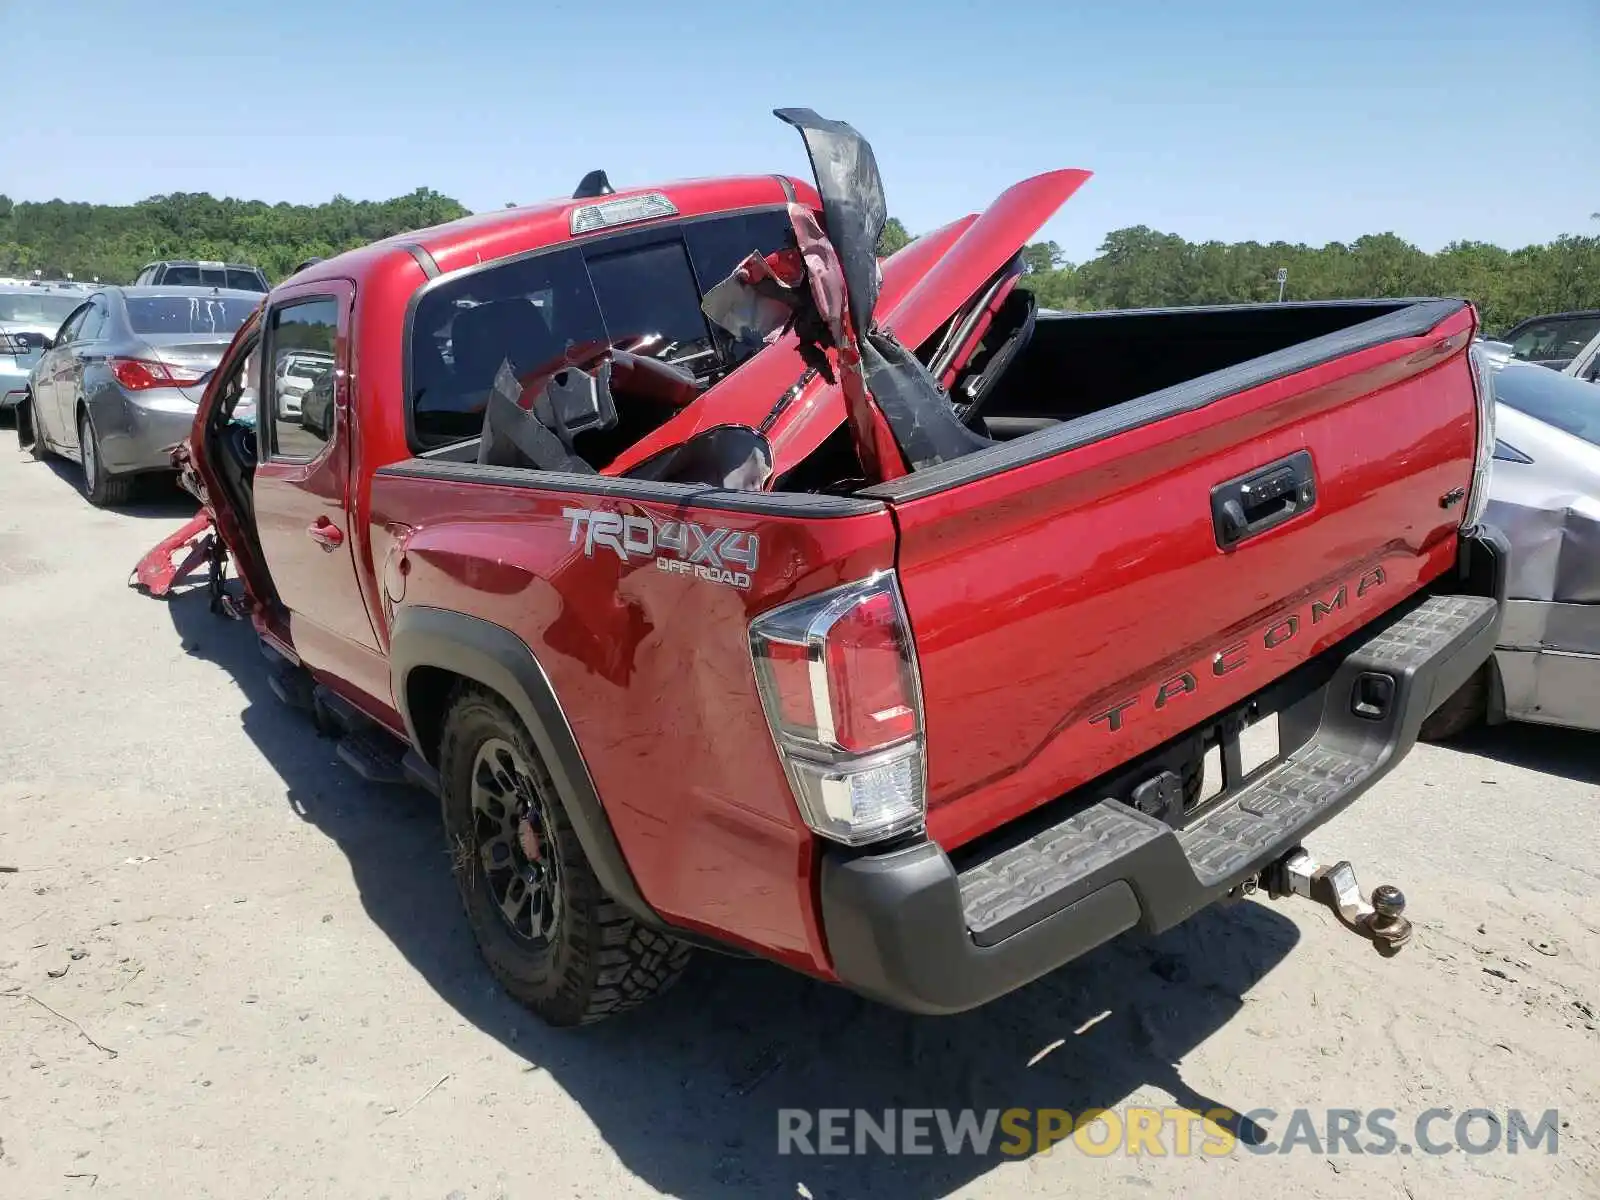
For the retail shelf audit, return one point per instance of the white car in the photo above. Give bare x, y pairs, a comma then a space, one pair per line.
1585, 364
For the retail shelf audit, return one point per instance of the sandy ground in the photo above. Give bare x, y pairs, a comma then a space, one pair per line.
229, 968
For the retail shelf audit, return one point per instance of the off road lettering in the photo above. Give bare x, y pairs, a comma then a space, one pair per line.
679, 547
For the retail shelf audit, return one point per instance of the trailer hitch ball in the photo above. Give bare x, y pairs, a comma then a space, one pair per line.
1381, 921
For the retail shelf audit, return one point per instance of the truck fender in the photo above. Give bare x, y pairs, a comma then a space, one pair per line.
493, 656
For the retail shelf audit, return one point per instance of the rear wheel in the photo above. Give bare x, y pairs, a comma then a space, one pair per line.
28, 438
1468, 707
101, 488
550, 935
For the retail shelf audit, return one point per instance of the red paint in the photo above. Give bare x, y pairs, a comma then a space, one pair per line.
158, 571
1047, 594
1040, 598
654, 672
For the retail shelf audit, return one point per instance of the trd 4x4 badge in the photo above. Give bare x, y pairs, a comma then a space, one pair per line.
681, 547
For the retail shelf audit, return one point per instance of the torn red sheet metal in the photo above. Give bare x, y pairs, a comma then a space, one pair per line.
161, 569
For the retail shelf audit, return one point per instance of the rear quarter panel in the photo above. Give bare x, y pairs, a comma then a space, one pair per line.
653, 670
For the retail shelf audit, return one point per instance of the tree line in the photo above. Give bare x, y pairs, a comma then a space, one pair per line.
114, 241
1140, 267
1135, 268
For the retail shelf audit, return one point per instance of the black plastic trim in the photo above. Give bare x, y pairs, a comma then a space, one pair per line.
608, 487
498, 659
1412, 321
896, 925
430, 268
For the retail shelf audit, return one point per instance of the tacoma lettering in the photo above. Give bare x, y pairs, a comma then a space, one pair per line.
1230, 658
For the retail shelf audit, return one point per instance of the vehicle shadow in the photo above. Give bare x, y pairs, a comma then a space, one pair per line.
687, 1090
1571, 753
156, 496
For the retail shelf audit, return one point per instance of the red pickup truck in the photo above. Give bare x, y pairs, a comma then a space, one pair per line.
735, 588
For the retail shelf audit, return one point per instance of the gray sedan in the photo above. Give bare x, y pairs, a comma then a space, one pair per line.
118, 390
29, 318
1544, 495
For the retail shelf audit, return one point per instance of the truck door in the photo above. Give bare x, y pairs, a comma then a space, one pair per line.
302, 486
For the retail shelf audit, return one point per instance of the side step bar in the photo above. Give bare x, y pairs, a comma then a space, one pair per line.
1359, 724
368, 749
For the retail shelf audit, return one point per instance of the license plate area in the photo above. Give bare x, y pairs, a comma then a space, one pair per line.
1238, 749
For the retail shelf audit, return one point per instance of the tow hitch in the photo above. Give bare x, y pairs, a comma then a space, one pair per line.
1381, 922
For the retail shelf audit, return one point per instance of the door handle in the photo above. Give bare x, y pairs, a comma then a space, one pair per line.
326, 533
1251, 504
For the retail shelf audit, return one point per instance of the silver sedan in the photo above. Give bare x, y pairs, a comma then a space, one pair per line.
117, 391
29, 318
1544, 495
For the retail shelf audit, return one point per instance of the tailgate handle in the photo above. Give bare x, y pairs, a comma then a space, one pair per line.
1251, 504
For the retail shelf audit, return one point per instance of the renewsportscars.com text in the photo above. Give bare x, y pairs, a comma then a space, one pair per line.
1163, 1132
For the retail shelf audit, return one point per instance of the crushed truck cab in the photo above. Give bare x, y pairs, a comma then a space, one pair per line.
734, 588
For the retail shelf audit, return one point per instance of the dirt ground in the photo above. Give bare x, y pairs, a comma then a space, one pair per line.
230, 968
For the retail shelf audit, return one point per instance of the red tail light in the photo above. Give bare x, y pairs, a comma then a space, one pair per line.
140, 374
838, 680
869, 676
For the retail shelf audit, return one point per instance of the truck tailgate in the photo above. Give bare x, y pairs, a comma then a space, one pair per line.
1076, 607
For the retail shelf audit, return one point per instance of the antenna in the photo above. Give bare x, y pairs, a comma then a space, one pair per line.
593, 184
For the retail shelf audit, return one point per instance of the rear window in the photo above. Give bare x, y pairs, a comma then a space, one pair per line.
36, 307
637, 290
1571, 405
187, 314
191, 276
244, 281
1555, 340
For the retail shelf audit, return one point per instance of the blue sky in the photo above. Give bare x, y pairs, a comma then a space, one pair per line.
1233, 119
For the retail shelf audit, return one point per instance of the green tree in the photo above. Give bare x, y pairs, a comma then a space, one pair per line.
1042, 256
894, 237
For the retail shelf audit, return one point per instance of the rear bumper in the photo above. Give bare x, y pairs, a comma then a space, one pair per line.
913, 929
139, 434
13, 381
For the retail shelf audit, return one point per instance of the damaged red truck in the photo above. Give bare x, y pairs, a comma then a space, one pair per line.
734, 588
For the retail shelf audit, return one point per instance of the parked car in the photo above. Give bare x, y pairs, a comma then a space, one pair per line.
1553, 339
1495, 353
895, 658
1585, 365
29, 319
117, 391
1544, 495
240, 277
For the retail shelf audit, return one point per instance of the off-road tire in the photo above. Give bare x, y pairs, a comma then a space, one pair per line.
28, 439
1467, 708
599, 961
102, 489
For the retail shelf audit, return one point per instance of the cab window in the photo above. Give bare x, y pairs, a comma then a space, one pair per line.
300, 377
